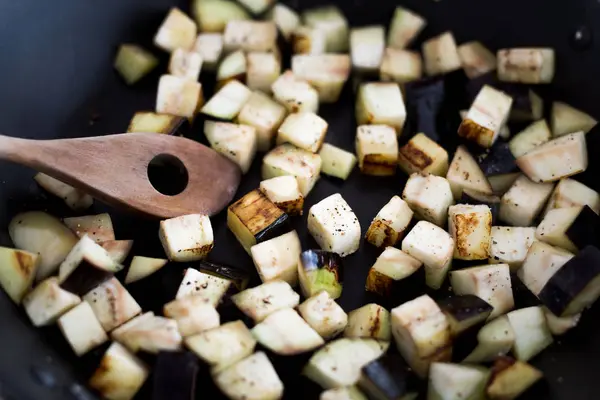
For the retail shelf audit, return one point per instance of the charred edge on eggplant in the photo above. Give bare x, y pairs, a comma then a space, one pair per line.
321, 270
472, 197
238, 277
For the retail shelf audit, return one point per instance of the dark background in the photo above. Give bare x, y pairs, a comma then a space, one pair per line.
56, 80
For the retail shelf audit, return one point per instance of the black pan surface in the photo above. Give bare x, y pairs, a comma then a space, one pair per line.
56, 80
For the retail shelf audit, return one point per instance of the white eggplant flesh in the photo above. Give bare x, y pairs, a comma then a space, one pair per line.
376, 149
74, 198
304, 130
429, 196
404, 28
118, 250
308, 40
250, 35
192, 314
381, 103
522, 203
327, 73
344, 393
209, 287
235, 142
553, 228
367, 45
532, 335
232, 67
540, 264
509, 245
133, 62
526, 65
501, 183
277, 258
178, 96
286, 19
149, 333
257, 7
401, 66
227, 103
465, 173
476, 59
18, 269
81, 329
47, 302
148, 121
290, 160
176, 31
186, 238
470, 227
142, 267
260, 301
421, 154
369, 321
390, 224
210, 47
494, 339
391, 267
336, 162
567, 119
510, 378
456, 382
324, 315
213, 16
263, 70
265, 115
185, 64
112, 304
284, 192
571, 193
530, 138
441, 55
295, 93
332, 21
560, 325
97, 227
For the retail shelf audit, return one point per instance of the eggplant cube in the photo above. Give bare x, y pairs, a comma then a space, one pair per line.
422, 334
387, 378
486, 117
405, 26
336, 162
540, 264
377, 149
531, 332
193, 315
390, 223
186, 238
441, 55
176, 31
263, 70
553, 228
454, 381
236, 142
571, 193
343, 393
227, 103
285, 333
142, 267
250, 36
285, 18
470, 227
252, 378
210, 288
233, 67
526, 65
324, 315
290, 160
429, 196
366, 47
492, 283
494, 339
47, 302
295, 93
97, 227
421, 154
339, 362
369, 321
524, 201
509, 245
567, 119
585, 228
320, 270
434, 247
261, 301
223, 346
332, 21
210, 47
149, 333
81, 329
502, 182
146, 121
510, 378
178, 96
556, 159
277, 258
185, 64
530, 138
334, 226
327, 73
254, 219
560, 325
264, 114
464, 312
476, 59
308, 40
17, 272
74, 198
120, 374
304, 130
112, 304
464, 173
213, 16
390, 268
400, 66
284, 192
134, 62
381, 103
118, 250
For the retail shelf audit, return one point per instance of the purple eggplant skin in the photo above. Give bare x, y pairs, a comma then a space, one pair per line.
279, 227
467, 310
585, 229
85, 277
388, 377
499, 160
318, 259
239, 277
175, 375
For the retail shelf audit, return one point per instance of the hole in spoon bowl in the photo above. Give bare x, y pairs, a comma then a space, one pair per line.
167, 174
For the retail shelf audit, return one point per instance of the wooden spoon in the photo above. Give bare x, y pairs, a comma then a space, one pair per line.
114, 169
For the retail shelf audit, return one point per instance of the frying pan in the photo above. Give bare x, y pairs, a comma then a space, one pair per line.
56, 80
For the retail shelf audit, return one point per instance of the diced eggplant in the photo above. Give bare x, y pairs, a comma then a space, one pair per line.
527, 105
213, 16
491, 200
277, 258
369, 321
320, 270
571, 193
254, 219
112, 304
290, 160
567, 119
252, 378
456, 382
540, 264
324, 315
193, 315
210, 45
176, 31
491, 283
390, 223
336, 162
510, 245
286, 19
501, 183
465, 312
429, 196
560, 325
585, 229
174, 376
185, 64
238, 277
377, 149
47, 302
232, 67
178, 96
380, 103
97, 227
334, 226
390, 270
327, 73
524, 201
510, 378
81, 329
526, 65
148, 121
86, 266
235, 142
118, 250
285, 333
575, 286
74, 198
401, 66
304, 130
343, 393
503, 134
470, 227
405, 26
227, 103
133, 62
263, 70
264, 114
148, 333
261, 301
367, 45
18, 269
250, 35
553, 228
465, 173
494, 339
476, 59
422, 334
142, 267
530, 138
331, 20
186, 238
421, 154
223, 346
556, 159
531, 332
487, 115
120, 374
257, 7
432, 246
209, 287
284, 192
441, 55
387, 378
499, 160
308, 40
295, 93
339, 363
